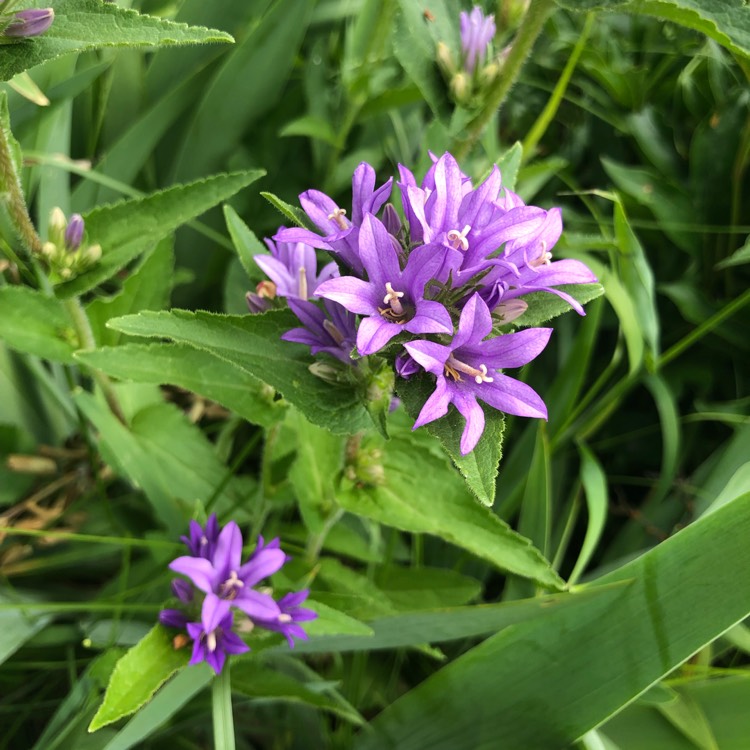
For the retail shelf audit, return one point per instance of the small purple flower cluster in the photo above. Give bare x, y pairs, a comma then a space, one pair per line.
214, 567
464, 256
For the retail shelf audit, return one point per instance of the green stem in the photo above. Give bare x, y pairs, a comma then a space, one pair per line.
221, 704
706, 327
528, 31
15, 200
539, 128
86, 340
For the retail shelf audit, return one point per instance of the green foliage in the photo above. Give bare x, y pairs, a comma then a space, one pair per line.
82, 25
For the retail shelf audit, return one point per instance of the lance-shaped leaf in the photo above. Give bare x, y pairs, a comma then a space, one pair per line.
82, 25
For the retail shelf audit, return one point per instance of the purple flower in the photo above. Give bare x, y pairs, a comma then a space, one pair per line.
173, 618
340, 234
477, 31
225, 576
292, 266
332, 331
31, 22
392, 300
291, 614
468, 369
202, 542
405, 366
212, 637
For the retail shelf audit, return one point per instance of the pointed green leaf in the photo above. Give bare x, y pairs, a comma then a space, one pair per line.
128, 228
82, 25
253, 343
544, 306
479, 468
138, 675
246, 244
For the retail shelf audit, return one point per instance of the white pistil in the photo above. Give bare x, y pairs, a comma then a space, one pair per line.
284, 618
457, 238
453, 366
338, 217
392, 298
302, 282
333, 332
544, 258
211, 641
231, 585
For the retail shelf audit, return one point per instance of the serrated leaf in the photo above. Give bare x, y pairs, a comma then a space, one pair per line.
36, 324
128, 228
82, 25
725, 21
509, 164
253, 343
478, 468
295, 215
432, 500
544, 306
138, 675
193, 369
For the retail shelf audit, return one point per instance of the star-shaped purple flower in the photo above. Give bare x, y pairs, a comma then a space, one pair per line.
293, 268
225, 576
213, 637
331, 331
392, 300
291, 614
339, 233
467, 370
202, 542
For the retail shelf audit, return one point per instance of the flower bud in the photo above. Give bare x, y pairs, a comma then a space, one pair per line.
488, 74
74, 233
57, 226
505, 312
460, 88
256, 304
31, 22
391, 220
445, 59
92, 254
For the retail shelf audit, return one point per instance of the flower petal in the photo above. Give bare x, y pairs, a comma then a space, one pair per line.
354, 294
377, 253
256, 605
429, 355
374, 333
474, 324
430, 317
511, 396
467, 405
436, 405
199, 570
511, 349
260, 566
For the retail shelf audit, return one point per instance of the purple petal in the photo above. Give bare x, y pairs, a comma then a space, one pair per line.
374, 333
512, 349
441, 207
298, 234
436, 405
231, 643
474, 324
213, 611
199, 570
318, 206
228, 554
472, 412
430, 355
510, 396
430, 317
256, 605
215, 659
173, 618
377, 253
265, 564
355, 295
363, 185
278, 273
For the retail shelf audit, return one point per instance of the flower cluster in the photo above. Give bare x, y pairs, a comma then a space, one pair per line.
23, 23
65, 250
425, 293
214, 567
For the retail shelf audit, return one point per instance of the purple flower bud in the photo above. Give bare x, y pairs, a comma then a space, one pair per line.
391, 220
257, 304
406, 366
31, 22
173, 618
182, 590
74, 232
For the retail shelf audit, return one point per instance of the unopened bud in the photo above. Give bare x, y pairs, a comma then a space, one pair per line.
488, 74
57, 226
49, 249
505, 312
256, 304
93, 254
460, 87
74, 232
391, 220
445, 59
325, 371
31, 22
266, 289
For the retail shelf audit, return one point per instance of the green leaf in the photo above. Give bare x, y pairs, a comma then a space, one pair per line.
478, 468
509, 164
169, 458
82, 25
426, 588
293, 213
544, 306
193, 369
332, 622
33, 323
246, 244
315, 472
431, 500
256, 680
725, 21
128, 228
676, 599
311, 126
16, 625
253, 343
138, 675
148, 288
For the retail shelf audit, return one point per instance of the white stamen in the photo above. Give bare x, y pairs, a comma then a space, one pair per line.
457, 238
233, 582
482, 377
453, 366
211, 641
302, 283
333, 332
338, 217
283, 617
544, 258
392, 298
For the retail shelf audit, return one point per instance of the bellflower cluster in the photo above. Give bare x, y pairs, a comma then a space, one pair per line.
229, 587
424, 293
65, 251
22, 24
